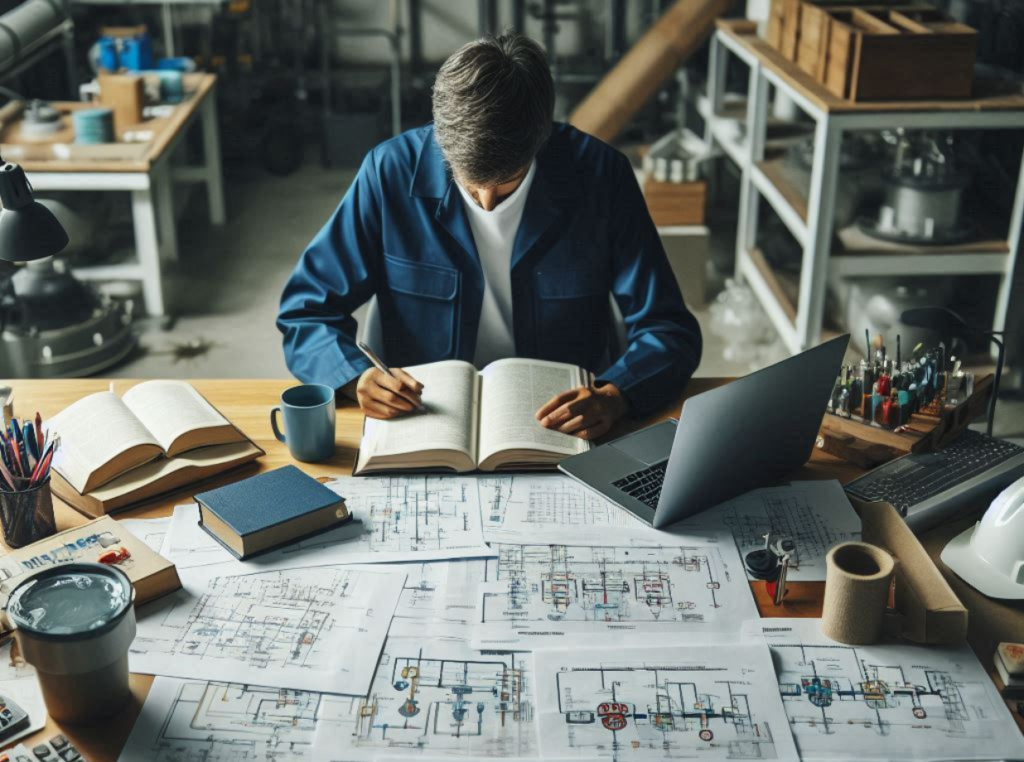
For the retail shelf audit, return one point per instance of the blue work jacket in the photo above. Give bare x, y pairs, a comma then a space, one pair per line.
401, 233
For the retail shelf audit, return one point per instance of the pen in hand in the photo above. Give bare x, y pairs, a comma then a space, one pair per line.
379, 365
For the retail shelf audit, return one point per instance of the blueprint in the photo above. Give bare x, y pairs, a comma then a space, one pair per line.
435, 696
710, 702
197, 721
313, 629
815, 515
551, 595
886, 702
423, 518
150, 531
539, 508
439, 591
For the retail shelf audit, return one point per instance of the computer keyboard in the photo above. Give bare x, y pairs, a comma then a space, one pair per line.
645, 484
927, 487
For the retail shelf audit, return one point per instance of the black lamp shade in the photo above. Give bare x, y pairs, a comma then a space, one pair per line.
28, 230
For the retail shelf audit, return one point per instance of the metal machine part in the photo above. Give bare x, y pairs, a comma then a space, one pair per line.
861, 156
924, 191
878, 303
40, 121
58, 327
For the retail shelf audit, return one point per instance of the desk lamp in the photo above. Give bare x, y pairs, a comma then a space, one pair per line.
50, 323
948, 324
28, 230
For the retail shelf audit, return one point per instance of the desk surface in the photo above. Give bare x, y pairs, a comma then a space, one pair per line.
247, 404
39, 156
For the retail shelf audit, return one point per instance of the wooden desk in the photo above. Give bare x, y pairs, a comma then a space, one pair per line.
247, 404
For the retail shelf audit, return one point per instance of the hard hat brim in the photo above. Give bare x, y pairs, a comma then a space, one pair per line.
967, 565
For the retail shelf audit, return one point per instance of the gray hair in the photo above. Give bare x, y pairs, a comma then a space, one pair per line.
494, 102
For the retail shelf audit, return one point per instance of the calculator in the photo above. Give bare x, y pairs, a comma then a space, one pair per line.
13, 719
57, 749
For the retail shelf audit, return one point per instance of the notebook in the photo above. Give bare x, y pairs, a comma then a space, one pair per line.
269, 510
475, 420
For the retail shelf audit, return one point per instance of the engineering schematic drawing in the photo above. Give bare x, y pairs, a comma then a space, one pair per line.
662, 704
886, 701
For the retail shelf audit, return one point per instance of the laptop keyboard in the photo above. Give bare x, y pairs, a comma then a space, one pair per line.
645, 484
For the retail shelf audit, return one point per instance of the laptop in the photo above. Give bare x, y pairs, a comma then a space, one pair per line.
746, 434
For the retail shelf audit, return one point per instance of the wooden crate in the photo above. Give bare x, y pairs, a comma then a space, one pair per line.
790, 42
902, 55
676, 203
812, 47
876, 50
776, 19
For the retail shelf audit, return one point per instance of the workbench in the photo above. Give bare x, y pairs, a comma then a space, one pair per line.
246, 403
144, 169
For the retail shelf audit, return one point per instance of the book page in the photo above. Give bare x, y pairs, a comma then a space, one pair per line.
450, 398
512, 392
94, 431
170, 409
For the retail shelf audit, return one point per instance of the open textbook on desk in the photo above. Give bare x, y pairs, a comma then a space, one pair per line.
160, 435
476, 420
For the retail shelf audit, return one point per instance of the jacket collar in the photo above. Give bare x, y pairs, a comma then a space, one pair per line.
556, 189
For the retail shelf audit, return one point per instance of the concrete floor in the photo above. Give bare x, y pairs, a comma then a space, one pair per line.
225, 289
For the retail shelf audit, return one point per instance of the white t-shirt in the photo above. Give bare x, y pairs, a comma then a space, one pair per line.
494, 233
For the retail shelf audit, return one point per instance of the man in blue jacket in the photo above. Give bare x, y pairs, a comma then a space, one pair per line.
493, 233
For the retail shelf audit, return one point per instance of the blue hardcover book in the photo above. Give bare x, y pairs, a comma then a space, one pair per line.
269, 510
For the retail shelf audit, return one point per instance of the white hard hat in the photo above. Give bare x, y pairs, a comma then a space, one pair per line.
990, 555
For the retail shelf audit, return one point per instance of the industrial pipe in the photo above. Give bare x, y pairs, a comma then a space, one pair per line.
636, 78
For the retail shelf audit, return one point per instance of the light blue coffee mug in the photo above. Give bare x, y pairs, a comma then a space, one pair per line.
308, 412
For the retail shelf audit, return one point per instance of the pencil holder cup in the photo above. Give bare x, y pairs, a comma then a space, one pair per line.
27, 516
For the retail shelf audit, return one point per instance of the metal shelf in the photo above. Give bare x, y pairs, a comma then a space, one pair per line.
809, 213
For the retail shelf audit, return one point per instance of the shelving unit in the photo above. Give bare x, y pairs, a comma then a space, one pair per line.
810, 217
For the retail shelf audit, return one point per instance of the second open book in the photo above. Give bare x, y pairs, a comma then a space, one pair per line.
476, 420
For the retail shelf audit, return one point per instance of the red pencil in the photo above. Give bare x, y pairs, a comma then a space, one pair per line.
43, 466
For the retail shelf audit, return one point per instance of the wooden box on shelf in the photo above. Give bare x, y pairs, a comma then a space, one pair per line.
676, 203
899, 55
868, 446
876, 50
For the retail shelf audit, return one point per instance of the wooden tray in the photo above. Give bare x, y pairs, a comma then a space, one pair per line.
868, 445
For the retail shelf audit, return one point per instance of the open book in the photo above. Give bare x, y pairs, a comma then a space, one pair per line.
159, 435
476, 420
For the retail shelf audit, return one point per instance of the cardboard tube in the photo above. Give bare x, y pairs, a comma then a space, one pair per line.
654, 58
856, 592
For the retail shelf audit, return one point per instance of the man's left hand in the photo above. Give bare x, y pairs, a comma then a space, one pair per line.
587, 412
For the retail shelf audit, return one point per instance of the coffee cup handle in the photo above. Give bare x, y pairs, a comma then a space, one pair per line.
273, 424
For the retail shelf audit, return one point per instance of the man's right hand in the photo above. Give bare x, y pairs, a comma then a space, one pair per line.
383, 396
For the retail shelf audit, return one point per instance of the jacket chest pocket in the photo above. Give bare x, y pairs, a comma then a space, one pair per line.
573, 313
421, 325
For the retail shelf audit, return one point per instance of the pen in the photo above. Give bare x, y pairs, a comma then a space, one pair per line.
15, 434
28, 432
12, 448
8, 476
379, 365
42, 470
